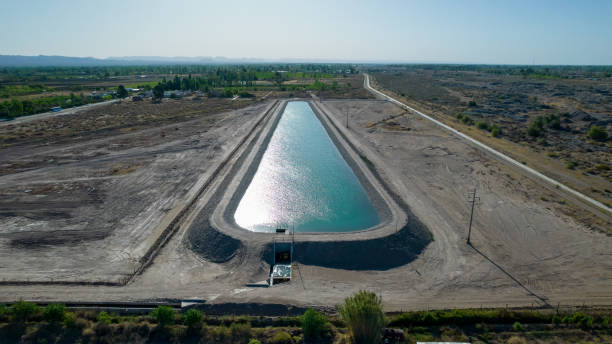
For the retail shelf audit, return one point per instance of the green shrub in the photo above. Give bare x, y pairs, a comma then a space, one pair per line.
254, 341
466, 317
23, 310
588, 323
467, 120
54, 313
482, 125
556, 319
579, 319
164, 315
104, 318
553, 122
193, 318
314, 324
429, 318
472, 103
605, 321
598, 133
517, 326
536, 127
70, 320
571, 165
281, 337
364, 317
495, 131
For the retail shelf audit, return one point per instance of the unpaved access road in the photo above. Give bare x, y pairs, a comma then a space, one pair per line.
525, 251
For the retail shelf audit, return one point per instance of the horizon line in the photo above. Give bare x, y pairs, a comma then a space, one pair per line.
255, 60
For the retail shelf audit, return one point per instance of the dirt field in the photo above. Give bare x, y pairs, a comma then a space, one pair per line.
562, 150
86, 208
525, 252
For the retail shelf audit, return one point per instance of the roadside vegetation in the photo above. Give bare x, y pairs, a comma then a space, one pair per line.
360, 321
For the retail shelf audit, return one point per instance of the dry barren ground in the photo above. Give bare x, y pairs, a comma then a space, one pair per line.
89, 210
524, 252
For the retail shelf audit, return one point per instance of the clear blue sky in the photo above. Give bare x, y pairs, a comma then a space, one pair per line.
487, 31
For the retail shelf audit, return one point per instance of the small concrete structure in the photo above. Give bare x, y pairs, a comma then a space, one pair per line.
283, 258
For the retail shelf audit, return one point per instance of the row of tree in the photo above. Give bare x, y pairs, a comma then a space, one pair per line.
29, 74
16, 108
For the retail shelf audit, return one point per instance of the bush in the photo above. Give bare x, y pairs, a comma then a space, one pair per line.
472, 103
467, 120
553, 122
482, 125
536, 127
579, 319
240, 332
254, 341
495, 131
466, 317
54, 313
571, 165
281, 337
73, 322
23, 310
598, 133
104, 318
164, 315
364, 317
517, 326
193, 319
314, 324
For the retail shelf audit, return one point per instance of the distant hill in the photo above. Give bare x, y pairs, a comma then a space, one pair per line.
67, 61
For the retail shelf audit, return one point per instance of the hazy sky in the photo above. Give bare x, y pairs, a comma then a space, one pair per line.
488, 31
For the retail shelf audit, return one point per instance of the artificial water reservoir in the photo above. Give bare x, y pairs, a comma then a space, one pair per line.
303, 182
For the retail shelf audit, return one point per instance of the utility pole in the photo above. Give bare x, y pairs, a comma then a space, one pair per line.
473, 200
347, 111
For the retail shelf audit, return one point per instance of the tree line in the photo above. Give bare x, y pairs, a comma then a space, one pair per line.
16, 108
265, 71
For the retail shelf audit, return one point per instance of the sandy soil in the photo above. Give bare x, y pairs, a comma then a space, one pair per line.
94, 210
524, 252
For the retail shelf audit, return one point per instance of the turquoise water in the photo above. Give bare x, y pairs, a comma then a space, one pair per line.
303, 182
